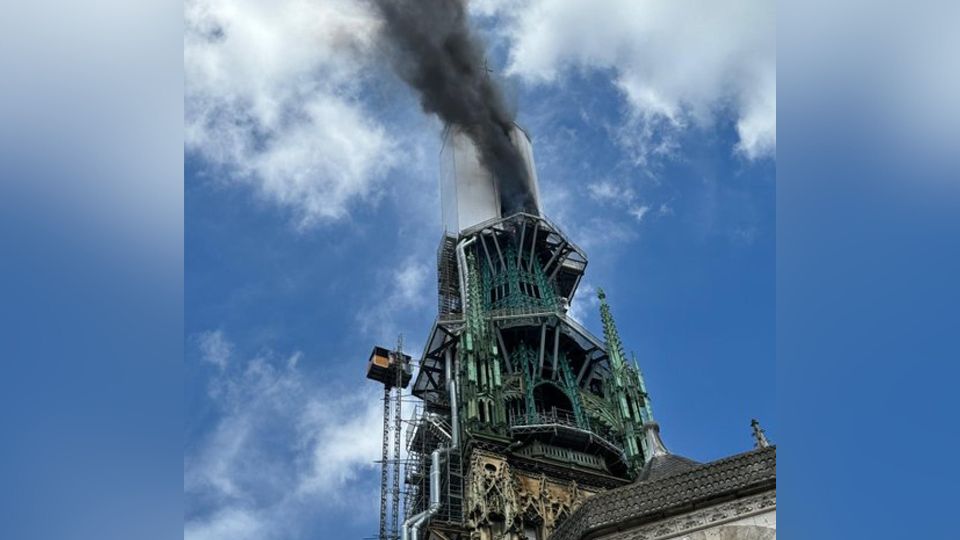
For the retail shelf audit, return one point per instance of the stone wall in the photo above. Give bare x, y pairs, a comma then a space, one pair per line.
749, 518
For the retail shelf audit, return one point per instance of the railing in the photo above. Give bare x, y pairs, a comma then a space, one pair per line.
552, 417
561, 419
412, 425
438, 425
422, 425
521, 311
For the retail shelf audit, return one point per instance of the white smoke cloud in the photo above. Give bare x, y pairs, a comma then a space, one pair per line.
677, 63
272, 97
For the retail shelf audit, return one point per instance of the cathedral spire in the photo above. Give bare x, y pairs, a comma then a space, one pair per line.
610, 333
618, 360
627, 393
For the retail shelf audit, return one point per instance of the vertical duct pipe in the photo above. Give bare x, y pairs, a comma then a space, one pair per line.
461, 271
409, 523
411, 527
452, 392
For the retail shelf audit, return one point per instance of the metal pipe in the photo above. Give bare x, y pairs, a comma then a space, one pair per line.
435, 478
454, 407
408, 524
461, 268
411, 527
417, 521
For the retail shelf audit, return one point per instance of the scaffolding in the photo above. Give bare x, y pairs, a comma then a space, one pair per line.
429, 429
448, 290
392, 369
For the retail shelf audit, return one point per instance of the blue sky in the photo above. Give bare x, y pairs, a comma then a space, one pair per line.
96, 114
312, 219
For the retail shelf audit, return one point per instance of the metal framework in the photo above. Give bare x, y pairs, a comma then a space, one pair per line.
523, 413
395, 457
548, 414
385, 533
392, 369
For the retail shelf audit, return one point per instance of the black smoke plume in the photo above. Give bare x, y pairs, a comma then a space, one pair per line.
435, 52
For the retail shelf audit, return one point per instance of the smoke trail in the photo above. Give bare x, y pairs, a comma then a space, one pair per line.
436, 54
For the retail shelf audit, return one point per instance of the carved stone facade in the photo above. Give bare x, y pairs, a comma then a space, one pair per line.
506, 503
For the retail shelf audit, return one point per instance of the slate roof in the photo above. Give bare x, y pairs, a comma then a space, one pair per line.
685, 487
661, 466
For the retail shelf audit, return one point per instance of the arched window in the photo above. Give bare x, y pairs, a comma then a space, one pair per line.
485, 410
550, 399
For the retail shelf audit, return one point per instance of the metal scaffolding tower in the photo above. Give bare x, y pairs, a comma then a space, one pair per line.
395, 433
392, 369
385, 461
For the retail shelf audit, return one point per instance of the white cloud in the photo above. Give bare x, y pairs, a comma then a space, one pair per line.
584, 303
757, 125
598, 232
214, 348
410, 284
607, 191
229, 524
283, 449
403, 290
592, 231
620, 196
344, 437
639, 211
677, 63
271, 96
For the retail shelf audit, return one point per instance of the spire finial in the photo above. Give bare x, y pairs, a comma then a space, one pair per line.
655, 447
610, 334
758, 434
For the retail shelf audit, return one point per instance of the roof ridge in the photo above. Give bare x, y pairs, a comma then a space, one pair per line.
752, 468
